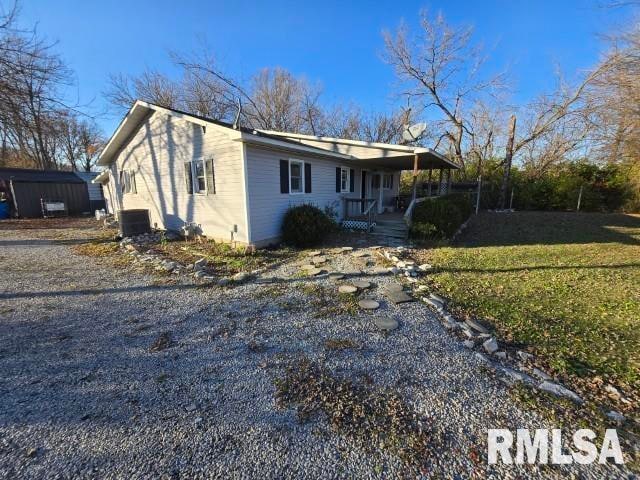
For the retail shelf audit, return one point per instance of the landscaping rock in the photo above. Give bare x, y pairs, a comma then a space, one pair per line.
169, 266
559, 391
394, 270
524, 356
490, 346
469, 343
240, 277
500, 355
541, 375
616, 416
476, 326
318, 260
336, 276
368, 304
399, 297
347, 289
200, 264
200, 274
363, 284
434, 304
380, 271
516, 376
223, 282
425, 267
385, 323
314, 253
314, 271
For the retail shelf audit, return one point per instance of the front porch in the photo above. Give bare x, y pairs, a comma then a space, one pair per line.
376, 211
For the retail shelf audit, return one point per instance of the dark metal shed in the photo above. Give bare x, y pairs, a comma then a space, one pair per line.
27, 188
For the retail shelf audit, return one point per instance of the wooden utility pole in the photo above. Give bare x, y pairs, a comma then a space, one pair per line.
508, 157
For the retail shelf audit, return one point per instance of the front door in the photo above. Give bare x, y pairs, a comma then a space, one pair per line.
376, 185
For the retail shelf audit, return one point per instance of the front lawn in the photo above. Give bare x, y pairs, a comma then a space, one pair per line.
564, 285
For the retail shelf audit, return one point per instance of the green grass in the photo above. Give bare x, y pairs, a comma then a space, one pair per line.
566, 285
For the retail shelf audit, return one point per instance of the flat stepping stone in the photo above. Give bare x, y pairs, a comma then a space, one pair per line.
317, 260
314, 253
399, 297
314, 272
336, 276
368, 304
394, 287
347, 289
385, 323
361, 284
380, 271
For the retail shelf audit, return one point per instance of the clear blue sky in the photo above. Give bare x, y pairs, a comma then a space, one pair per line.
337, 43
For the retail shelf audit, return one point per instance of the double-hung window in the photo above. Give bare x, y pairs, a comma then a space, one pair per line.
296, 176
344, 179
128, 181
199, 176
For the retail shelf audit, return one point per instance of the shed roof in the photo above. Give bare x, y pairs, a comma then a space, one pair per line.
26, 175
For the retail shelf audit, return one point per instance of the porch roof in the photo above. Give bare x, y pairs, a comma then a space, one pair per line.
383, 155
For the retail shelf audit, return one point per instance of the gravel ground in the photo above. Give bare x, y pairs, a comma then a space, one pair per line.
82, 396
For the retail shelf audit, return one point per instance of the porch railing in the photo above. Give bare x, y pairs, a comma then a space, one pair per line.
360, 209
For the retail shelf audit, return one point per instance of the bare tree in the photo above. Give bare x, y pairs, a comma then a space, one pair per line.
442, 71
80, 141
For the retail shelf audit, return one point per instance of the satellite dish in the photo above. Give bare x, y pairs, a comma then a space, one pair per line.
413, 133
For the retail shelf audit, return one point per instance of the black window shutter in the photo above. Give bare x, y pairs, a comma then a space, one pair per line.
307, 178
337, 179
284, 176
211, 178
188, 178
352, 180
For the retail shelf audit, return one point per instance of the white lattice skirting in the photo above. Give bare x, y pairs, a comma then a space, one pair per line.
356, 224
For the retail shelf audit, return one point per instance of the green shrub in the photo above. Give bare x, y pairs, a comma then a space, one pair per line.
442, 213
306, 225
423, 231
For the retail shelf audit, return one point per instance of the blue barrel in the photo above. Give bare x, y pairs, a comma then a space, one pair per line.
4, 210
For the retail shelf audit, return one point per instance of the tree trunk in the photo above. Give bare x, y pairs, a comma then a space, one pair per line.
508, 157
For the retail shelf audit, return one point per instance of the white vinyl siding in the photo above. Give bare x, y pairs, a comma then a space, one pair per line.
267, 205
158, 153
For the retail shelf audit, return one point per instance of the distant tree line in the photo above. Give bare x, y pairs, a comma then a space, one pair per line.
442, 74
38, 129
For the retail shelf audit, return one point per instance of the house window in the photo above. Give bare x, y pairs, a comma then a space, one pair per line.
387, 181
132, 182
344, 179
296, 176
199, 176
128, 181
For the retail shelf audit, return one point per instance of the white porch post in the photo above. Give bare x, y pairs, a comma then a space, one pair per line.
380, 192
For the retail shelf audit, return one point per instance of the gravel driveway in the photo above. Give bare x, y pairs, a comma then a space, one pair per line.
82, 395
